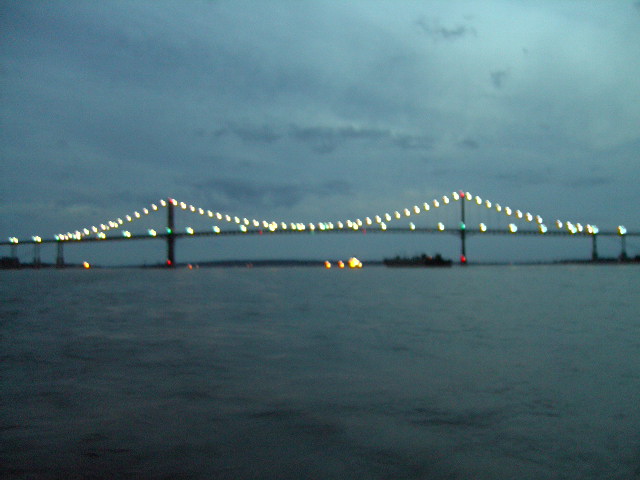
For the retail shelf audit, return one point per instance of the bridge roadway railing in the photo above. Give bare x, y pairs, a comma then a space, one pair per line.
361, 230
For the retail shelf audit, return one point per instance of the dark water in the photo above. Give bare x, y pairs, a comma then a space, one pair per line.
485, 373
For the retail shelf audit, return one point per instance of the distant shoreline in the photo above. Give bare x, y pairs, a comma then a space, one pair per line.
315, 263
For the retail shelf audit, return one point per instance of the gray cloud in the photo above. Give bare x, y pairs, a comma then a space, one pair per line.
469, 143
250, 133
588, 182
237, 193
327, 139
498, 77
435, 30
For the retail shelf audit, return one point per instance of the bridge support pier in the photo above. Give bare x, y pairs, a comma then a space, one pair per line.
171, 239
60, 255
623, 247
36, 255
594, 248
463, 231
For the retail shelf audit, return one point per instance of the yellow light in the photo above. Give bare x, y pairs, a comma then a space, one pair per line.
353, 262
218, 215
445, 199
210, 213
183, 205
216, 229
483, 227
189, 230
201, 211
396, 214
478, 200
340, 264
508, 211
154, 206
426, 207
406, 212
441, 226
498, 207
542, 227
327, 264
455, 196
136, 214
378, 219
243, 228
367, 221
416, 209
518, 214
383, 226
412, 226
163, 203
86, 265
387, 217
145, 211
513, 228
487, 203
436, 203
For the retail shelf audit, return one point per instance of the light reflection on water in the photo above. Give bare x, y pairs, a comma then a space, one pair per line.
485, 372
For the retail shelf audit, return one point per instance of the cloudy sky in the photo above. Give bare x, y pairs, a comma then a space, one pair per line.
317, 110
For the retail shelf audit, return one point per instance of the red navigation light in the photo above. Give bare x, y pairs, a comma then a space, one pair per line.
463, 259
169, 263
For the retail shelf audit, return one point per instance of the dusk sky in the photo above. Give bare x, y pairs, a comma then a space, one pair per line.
317, 110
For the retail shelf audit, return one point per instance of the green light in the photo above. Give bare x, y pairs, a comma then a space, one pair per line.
169, 231
462, 226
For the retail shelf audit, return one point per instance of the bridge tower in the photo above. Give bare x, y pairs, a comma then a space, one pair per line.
171, 239
463, 231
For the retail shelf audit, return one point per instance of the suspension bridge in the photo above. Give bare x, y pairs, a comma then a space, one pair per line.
491, 218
